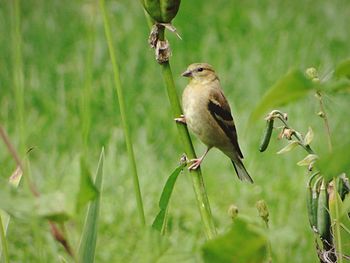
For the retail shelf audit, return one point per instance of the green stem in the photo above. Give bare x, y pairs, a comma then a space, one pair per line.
120, 95
3, 247
325, 120
197, 178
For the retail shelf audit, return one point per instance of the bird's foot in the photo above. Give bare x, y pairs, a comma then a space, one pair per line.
181, 119
195, 164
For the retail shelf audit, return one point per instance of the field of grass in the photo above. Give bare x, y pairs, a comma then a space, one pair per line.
70, 109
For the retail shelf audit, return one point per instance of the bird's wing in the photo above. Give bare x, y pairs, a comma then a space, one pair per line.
221, 112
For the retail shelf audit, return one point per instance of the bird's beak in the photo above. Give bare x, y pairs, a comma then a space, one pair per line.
187, 73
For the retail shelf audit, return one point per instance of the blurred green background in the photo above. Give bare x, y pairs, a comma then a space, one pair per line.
69, 95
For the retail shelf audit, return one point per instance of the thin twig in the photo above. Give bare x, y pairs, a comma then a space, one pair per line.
325, 120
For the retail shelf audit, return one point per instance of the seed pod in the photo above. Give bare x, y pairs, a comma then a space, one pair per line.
267, 135
162, 11
323, 220
311, 202
342, 186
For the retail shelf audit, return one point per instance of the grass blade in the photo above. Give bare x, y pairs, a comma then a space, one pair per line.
87, 189
89, 235
121, 102
159, 222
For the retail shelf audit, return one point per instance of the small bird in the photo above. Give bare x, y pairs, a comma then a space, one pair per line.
208, 115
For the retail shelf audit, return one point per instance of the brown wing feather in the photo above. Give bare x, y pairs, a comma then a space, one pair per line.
221, 112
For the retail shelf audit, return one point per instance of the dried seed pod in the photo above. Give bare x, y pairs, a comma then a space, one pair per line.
323, 219
267, 135
162, 11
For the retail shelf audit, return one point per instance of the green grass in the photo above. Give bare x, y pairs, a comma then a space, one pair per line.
251, 44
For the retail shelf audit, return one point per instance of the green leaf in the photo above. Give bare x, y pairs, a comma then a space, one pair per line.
15, 202
340, 223
342, 85
160, 220
343, 69
89, 235
335, 163
309, 137
244, 242
87, 190
309, 159
291, 87
53, 206
346, 206
290, 146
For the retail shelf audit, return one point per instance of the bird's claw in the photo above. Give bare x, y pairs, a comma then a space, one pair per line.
195, 164
181, 119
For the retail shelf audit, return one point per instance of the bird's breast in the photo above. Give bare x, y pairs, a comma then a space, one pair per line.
198, 118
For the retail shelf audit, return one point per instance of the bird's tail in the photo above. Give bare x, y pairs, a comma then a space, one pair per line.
241, 171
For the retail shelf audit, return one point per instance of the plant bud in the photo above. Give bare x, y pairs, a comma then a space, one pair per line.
311, 73
232, 211
263, 210
162, 11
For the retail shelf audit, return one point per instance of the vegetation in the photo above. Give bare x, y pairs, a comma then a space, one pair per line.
59, 108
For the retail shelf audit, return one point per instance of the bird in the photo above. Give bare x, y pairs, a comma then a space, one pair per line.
207, 114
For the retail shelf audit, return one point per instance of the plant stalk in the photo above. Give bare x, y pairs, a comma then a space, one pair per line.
325, 120
124, 119
197, 178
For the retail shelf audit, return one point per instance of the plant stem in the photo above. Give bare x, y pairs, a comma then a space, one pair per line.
197, 178
121, 102
298, 137
325, 120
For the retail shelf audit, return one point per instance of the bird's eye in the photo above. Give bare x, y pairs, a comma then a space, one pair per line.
200, 69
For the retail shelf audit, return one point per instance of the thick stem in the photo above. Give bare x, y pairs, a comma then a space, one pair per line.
121, 102
197, 178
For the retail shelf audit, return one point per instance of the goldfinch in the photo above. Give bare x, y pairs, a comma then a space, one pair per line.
208, 115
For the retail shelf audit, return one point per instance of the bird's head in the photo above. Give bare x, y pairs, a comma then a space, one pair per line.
200, 71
